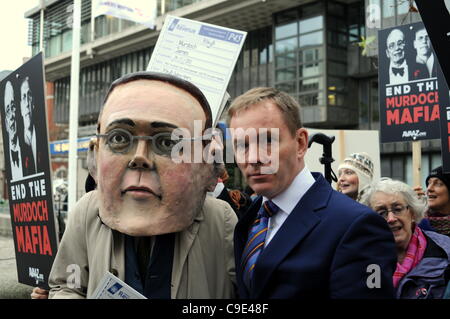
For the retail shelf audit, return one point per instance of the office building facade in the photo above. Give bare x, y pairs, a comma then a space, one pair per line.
310, 49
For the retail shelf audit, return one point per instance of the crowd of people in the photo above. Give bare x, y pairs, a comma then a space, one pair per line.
419, 220
161, 227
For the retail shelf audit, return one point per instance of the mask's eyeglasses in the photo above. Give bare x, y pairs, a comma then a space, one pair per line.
122, 141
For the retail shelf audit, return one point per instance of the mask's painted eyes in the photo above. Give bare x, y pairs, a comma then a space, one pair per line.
122, 141
164, 143
119, 140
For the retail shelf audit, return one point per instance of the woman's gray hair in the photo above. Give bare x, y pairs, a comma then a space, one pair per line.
390, 186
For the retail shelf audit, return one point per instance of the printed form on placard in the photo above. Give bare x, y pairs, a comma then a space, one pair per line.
201, 53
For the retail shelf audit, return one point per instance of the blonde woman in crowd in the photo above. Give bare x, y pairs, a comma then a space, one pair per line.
354, 173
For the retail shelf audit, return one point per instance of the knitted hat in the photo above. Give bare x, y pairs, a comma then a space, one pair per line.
362, 165
444, 177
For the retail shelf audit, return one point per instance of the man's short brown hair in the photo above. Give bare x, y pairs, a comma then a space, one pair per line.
289, 107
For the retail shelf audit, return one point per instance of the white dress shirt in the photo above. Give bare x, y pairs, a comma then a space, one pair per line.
33, 148
16, 170
430, 63
287, 200
217, 190
397, 78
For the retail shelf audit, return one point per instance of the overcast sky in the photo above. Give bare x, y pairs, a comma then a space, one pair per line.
14, 33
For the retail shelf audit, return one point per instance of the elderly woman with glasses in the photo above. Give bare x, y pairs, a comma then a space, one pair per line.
423, 269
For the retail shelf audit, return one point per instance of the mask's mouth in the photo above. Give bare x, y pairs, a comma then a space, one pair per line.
140, 191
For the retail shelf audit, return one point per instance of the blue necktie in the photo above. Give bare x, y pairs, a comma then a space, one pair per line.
256, 239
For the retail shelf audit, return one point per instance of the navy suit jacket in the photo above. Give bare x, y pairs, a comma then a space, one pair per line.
322, 250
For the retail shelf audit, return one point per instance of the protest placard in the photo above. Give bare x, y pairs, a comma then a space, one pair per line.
28, 175
435, 15
444, 94
201, 53
408, 85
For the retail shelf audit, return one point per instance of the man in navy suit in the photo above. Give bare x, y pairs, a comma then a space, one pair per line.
306, 240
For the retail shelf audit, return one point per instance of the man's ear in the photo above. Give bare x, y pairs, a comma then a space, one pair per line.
92, 158
302, 141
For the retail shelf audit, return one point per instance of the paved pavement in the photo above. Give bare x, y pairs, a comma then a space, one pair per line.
9, 287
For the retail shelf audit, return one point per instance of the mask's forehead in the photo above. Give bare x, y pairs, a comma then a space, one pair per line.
152, 101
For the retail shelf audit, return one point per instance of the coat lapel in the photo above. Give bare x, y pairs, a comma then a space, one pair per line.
183, 244
117, 266
298, 225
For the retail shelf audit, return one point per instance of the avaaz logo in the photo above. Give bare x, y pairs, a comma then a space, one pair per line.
414, 134
35, 274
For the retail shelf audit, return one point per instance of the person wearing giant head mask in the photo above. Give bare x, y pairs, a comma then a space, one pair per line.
149, 221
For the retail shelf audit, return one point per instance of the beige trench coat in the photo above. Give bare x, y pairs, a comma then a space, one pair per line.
203, 265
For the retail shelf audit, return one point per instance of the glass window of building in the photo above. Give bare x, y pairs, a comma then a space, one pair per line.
311, 24
94, 82
299, 53
311, 39
58, 27
402, 7
286, 45
254, 65
389, 8
324, 29
375, 108
356, 21
171, 5
286, 30
310, 69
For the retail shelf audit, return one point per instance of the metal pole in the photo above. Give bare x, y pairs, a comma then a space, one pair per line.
41, 27
417, 163
163, 7
92, 24
73, 121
